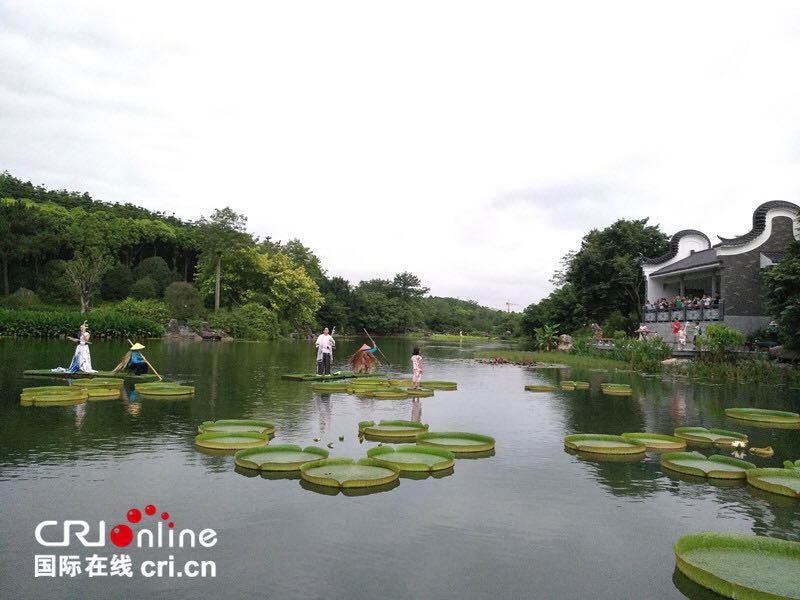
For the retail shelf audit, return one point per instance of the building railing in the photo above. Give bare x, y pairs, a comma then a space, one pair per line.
667, 315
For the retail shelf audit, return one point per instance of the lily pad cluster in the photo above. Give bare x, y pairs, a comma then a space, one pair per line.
571, 386
164, 388
711, 437
616, 389
383, 389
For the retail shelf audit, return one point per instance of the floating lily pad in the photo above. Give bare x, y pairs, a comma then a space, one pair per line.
392, 429
539, 388
414, 458
103, 382
581, 385
656, 442
763, 415
616, 389
332, 387
787, 464
326, 490
163, 388
278, 457
237, 426
778, 481
439, 385
349, 473
419, 392
716, 466
388, 394
126, 375
741, 566
103, 393
567, 386
315, 377
457, 441
599, 443
716, 437
220, 440
53, 394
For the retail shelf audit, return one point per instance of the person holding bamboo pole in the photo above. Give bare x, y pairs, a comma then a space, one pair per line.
325, 345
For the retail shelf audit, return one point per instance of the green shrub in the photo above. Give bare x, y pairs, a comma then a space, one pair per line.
183, 300
151, 310
720, 340
646, 355
249, 321
117, 282
22, 298
144, 288
55, 323
53, 284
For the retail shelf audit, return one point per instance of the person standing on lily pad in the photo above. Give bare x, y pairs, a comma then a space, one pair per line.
325, 345
82, 359
416, 368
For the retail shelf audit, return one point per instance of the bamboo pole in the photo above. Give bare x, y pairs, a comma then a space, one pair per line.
160, 378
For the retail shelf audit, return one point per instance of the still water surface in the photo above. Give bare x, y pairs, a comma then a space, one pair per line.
532, 521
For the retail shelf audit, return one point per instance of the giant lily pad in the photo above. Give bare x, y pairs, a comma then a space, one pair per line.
599, 443
567, 386
220, 440
278, 457
53, 394
315, 377
778, 481
741, 566
413, 458
392, 429
388, 394
716, 437
237, 426
656, 442
763, 415
616, 389
419, 392
439, 385
349, 473
787, 464
715, 466
103, 382
457, 441
332, 387
128, 376
103, 393
539, 388
163, 388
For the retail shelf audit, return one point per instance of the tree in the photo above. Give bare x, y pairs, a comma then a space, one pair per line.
561, 309
606, 271
156, 268
782, 284
19, 226
117, 282
222, 233
183, 300
546, 337
86, 271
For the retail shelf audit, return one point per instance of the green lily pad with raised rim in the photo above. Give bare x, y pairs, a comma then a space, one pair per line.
220, 440
418, 392
715, 466
315, 377
236, 426
787, 464
741, 566
126, 375
539, 388
392, 428
600, 443
567, 386
414, 458
710, 437
349, 473
332, 387
103, 382
763, 415
656, 442
53, 394
103, 393
457, 441
439, 385
616, 389
278, 457
163, 388
388, 394
785, 482
581, 385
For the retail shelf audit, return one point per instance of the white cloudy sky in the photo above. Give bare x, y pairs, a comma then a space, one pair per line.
470, 143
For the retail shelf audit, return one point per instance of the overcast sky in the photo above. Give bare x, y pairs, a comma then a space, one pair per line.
472, 144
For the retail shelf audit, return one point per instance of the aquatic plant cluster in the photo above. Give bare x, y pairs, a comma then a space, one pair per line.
433, 453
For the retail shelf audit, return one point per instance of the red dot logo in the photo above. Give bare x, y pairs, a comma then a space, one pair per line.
121, 535
150, 510
165, 515
134, 515
171, 524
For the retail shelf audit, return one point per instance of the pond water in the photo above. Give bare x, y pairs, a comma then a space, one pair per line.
531, 521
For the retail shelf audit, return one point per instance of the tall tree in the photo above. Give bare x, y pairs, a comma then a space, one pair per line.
606, 272
86, 271
782, 284
223, 232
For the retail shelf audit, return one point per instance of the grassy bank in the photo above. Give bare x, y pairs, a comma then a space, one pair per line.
458, 338
736, 370
523, 357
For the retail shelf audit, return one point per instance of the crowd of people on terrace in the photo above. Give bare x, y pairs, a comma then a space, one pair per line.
680, 302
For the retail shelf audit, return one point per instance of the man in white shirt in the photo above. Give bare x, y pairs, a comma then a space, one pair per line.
325, 345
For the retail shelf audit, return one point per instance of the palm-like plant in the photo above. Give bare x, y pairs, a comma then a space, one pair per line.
546, 337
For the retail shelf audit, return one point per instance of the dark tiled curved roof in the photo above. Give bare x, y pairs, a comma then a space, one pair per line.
673, 246
759, 222
695, 260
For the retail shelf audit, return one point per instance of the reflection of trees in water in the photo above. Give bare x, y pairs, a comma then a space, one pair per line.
629, 477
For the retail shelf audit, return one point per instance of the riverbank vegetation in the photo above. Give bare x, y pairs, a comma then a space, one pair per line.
65, 252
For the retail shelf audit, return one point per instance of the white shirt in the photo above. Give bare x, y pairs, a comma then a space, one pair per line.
325, 343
